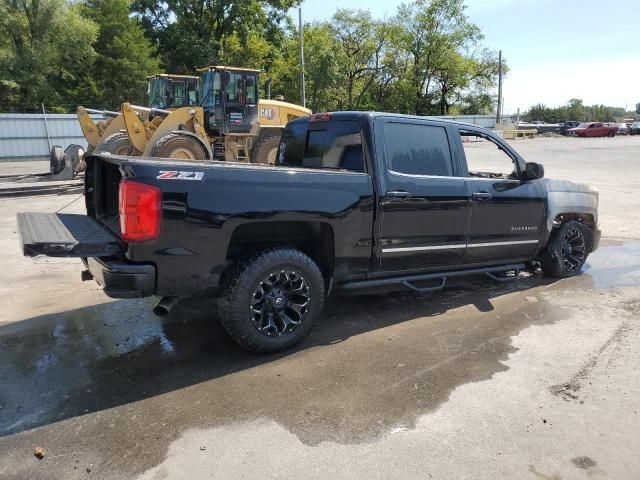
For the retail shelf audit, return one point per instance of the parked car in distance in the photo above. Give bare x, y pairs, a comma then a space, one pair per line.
634, 128
623, 129
566, 126
593, 129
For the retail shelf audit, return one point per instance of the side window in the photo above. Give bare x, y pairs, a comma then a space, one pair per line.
416, 149
485, 158
235, 92
334, 145
179, 89
291, 149
251, 89
339, 146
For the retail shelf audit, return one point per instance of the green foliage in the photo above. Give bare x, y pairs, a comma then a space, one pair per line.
426, 59
194, 33
573, 110
124, 55
45, 48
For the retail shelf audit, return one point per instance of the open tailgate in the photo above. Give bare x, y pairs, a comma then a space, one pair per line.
65, 235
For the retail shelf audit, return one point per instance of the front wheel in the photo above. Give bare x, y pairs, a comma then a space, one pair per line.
179, 147
116, 144
269, 301
567, 250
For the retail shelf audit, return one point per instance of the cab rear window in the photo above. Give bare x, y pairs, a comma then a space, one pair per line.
333, 145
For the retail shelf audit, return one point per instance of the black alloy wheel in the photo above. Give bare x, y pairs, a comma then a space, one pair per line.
573, 249
567, 250
280, 302
270, 300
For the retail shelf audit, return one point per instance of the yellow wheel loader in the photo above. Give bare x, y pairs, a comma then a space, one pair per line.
165, 92
230, 124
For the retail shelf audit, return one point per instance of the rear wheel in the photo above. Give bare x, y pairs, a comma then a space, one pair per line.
611, 134
269, 301
116, 144
567, 250
179, 147
266, 148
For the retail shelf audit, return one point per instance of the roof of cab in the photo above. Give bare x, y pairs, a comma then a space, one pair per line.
357, 115
227, 67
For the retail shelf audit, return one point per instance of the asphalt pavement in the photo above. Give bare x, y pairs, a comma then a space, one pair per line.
533, 379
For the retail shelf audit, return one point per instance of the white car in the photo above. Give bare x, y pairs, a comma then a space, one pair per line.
623, 129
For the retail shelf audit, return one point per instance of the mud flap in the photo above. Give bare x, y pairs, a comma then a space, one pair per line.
65, 235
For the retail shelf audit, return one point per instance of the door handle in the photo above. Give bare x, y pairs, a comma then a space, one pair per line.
481, 196
398, 194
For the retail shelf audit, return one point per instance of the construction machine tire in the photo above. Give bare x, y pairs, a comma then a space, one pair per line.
179, 147
265, 149
56, 160
115, 144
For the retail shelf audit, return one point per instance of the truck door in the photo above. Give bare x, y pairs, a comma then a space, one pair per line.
423, 202
507, 214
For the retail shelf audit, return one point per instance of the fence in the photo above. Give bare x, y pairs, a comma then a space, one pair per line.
29, 136
486, 121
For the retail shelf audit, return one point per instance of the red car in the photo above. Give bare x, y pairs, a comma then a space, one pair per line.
594, 129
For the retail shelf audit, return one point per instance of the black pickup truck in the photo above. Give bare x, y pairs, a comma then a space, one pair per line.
358, 202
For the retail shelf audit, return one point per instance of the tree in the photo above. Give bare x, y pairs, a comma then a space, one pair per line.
45, 54
575, 110
193, 33
433, 31
124, 55
361, 42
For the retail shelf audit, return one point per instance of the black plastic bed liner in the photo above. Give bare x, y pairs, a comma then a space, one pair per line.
65, 235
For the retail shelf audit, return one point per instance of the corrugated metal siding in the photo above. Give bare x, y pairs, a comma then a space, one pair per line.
24, 136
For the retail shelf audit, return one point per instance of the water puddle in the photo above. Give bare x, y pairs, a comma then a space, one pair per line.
373, 365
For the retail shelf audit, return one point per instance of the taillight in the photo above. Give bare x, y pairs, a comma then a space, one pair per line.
140, 211
320, 117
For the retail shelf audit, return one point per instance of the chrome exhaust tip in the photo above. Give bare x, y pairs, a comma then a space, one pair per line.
164, 306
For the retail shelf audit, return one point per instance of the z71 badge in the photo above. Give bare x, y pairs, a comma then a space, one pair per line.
176, 175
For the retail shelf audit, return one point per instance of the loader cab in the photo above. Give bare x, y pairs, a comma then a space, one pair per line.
229, 100
173, 91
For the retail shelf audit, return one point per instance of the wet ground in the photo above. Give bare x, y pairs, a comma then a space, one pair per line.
108, 387
529, 379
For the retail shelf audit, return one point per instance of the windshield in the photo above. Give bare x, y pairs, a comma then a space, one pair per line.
210, 93
583, 125
157, 93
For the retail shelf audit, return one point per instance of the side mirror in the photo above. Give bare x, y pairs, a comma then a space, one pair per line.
533, 171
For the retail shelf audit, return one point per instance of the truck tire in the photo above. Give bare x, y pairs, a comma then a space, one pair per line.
269, 301
179, 147
116, 144
567, 250
266, 148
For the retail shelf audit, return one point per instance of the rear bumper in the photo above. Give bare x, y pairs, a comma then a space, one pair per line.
122, 280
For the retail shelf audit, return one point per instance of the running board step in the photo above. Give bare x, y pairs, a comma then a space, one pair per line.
408, 280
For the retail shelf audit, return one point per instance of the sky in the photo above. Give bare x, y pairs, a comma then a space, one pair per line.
555, 49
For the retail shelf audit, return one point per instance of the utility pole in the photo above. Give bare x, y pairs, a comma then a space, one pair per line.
499, 109
302, 92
